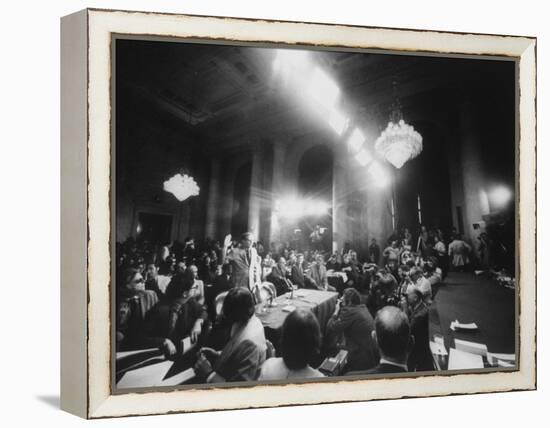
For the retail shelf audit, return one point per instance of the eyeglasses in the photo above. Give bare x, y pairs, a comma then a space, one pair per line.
138, 280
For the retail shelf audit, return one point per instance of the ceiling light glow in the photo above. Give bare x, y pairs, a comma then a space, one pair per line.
355, 140
338, 122
363, 157
322, 89
379, 175
500, 196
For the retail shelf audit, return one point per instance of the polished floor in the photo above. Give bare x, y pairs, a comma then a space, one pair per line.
469, 298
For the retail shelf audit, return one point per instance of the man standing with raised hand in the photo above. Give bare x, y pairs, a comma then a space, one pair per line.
244, 261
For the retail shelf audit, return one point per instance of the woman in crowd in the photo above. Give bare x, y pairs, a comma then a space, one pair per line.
242, 357
133, 303
349, 266
300, 347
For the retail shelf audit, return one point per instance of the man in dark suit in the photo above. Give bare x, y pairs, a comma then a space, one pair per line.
374, 252
420, 358
245, 265
297, 272
393, 336
278, 276
352, 323
222, 282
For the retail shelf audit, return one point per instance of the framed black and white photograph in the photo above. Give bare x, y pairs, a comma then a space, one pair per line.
262, 213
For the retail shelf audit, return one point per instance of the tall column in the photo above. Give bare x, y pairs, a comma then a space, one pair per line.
255, 191
185, 212
184, 221
339, 201
277, 188
475, 199
379, 224
455, 176
212, 204
225, 214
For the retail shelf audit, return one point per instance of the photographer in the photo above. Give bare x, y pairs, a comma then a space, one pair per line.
420, 282
353, 322
383, 292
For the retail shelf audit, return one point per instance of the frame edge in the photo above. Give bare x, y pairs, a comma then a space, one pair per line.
73, 227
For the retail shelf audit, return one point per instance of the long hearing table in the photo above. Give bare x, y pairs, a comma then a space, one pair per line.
321, 303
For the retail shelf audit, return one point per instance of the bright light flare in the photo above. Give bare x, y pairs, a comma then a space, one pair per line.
500, 196
355, 140
315, 207
338, 122
380, 175
289, 59
363, 157
294, 208
289, 208
322, 89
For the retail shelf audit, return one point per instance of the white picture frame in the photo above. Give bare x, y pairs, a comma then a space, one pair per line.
86, 216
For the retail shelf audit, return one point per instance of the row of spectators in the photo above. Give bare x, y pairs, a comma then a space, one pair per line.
170, 293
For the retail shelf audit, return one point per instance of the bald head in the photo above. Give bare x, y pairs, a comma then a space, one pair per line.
392, 332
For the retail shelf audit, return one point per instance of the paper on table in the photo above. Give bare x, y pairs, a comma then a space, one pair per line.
455, 325
472, 347
142, 363
289, 308
494, 358
438, 348
145, 376
507, 357
464, 360
187, 345
301, 293
178, 379
124, 354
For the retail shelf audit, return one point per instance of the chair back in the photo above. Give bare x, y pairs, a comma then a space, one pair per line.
266, 290
218, 303
270, 351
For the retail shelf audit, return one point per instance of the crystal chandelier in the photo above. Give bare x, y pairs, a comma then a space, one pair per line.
182, 186
399, 142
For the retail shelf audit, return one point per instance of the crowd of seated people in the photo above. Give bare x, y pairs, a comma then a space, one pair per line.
207, 292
